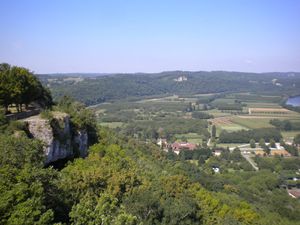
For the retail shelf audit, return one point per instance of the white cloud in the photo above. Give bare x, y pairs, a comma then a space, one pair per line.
248, 61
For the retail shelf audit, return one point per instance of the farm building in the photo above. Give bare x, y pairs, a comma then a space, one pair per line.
179, 146
268, 111
217, 152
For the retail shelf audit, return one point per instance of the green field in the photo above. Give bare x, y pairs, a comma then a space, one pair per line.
223, 101
191, 137
169, 114
230, 128
252, 123
218, 113
289, 134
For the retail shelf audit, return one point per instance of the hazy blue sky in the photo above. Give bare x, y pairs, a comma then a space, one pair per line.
150, 36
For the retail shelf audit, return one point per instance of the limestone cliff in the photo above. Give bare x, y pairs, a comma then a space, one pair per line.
60, 140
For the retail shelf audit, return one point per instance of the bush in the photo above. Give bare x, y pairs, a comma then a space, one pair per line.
46, 114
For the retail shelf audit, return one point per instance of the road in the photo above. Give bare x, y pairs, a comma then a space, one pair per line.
250, 160
246, 156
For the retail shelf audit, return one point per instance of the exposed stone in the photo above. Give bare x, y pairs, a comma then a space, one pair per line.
81, 140
56, 134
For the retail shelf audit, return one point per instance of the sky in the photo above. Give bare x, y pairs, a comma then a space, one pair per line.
108, 36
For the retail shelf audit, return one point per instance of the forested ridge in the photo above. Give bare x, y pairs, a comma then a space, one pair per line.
93, 90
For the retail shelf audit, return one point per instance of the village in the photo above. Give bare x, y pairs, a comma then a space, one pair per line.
245, 149
292, 181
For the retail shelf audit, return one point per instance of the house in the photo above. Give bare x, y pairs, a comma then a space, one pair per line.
181, 79
162, 142
179, 146
217, 152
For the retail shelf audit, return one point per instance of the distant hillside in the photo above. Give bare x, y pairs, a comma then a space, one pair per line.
92, 89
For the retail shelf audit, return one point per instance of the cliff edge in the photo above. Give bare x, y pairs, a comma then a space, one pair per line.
61, 140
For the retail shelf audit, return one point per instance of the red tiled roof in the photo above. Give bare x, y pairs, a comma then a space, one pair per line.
183, 145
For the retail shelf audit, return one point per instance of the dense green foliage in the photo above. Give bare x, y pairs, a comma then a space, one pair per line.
166, 128
125, 182
26, 187
278, 163
244, 136
20, 87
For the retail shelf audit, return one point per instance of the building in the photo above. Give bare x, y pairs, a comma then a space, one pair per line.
162, 142
280, 152
180, 79
217, 152
179, 146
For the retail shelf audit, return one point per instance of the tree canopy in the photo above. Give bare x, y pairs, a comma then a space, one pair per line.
19, 86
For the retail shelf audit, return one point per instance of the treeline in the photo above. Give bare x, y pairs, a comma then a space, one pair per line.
285, 125
20, 87
244, 136
278, 163
201, 115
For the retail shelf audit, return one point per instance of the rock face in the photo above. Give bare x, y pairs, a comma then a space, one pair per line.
60, 141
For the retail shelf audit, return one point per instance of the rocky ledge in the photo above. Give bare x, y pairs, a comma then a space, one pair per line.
60, 139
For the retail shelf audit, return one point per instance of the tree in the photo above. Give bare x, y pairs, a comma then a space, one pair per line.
25, 185
262, 143
19, 86
287, 125
213, 131
103, 210
267, 150
236, 154
252, 143
5, 86
184, 139
282, 143
272, 143
3, 121
297, 139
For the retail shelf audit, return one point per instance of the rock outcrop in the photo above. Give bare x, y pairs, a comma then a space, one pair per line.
60, 140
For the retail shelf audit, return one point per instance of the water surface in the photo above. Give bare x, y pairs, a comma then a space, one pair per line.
294, 101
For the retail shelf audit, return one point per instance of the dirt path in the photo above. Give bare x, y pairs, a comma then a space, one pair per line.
250, 160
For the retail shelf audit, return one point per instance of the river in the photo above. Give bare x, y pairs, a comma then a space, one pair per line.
294, 101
